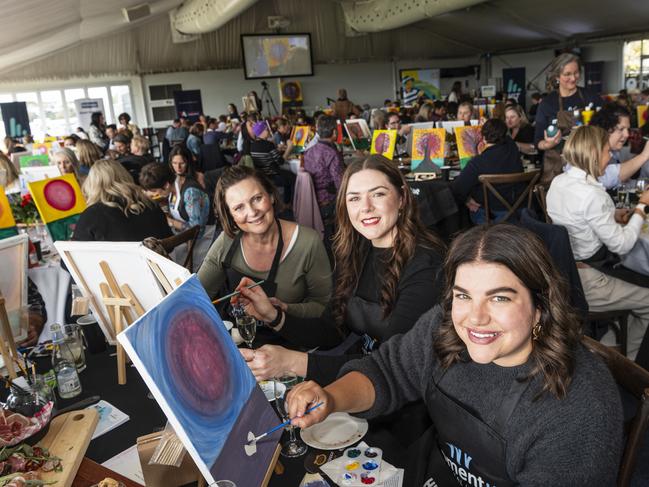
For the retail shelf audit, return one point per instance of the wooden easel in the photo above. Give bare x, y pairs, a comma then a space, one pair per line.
7, 344
120, 302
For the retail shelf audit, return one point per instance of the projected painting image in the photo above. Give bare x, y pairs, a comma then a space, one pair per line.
274, 56
197, 375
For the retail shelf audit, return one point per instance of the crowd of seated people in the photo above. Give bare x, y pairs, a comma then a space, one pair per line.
386, 269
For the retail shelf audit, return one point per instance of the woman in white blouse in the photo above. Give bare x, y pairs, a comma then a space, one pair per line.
577, 201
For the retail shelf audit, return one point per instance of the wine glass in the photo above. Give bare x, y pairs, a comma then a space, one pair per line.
247, 326
281, 385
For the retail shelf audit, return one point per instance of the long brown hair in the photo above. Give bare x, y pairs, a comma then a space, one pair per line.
525, 255
350, 247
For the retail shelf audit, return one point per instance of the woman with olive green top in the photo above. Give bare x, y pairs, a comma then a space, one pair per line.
303, 275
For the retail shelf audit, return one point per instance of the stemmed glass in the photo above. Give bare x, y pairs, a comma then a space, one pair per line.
281, 385
247, 326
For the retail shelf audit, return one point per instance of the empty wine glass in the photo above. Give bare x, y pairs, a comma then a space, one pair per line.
281, 385
247, 326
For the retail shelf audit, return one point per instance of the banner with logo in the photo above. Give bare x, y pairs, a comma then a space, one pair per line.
15, 118
514, 84
85, 108
189, 104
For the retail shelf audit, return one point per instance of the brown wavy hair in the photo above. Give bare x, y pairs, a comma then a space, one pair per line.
525, 255
350, 247
231, 176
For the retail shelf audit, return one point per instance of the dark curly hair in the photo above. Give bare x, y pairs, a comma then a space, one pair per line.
609, 116
520, 251
350, 247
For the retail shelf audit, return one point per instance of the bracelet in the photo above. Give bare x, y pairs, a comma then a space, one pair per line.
278, 318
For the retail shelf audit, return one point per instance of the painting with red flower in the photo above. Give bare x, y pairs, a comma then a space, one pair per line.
59, 202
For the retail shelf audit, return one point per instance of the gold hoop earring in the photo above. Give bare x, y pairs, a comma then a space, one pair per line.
536, 331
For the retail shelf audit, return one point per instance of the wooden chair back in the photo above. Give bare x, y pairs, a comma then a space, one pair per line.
490, 181
188, 236
635, 380
539, 192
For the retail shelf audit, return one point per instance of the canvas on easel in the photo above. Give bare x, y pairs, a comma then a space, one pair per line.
14, 253
197, 375
299, 137
60, 203
428, 149
149, 275
383, 143
469, 143
7, 221
359, 133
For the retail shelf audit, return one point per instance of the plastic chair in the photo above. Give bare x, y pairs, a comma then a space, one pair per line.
489, 181
634, 380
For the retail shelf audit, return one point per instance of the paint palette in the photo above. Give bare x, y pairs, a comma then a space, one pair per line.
361, 466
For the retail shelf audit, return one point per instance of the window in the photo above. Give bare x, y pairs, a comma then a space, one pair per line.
102, 92
636, 64
72, 94
121, 97
36, 123
54, 113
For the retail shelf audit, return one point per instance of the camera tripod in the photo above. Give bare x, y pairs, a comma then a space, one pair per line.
268, 98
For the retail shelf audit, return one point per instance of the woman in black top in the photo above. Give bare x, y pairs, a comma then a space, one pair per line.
501, 156
379, 240
519, 128
118, 210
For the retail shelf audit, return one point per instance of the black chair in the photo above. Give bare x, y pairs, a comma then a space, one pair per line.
557, 242
210, 158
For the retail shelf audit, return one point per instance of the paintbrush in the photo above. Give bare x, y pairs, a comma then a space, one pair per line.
251, 446
236, 293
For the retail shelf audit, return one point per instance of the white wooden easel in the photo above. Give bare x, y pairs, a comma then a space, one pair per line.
7, 343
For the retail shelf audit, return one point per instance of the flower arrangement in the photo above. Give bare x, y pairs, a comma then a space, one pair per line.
23, 208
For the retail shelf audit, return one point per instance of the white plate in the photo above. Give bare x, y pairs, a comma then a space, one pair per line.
339, 430
267, 389
88, 319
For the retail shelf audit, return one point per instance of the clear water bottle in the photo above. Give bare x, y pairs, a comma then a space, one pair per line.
67, 377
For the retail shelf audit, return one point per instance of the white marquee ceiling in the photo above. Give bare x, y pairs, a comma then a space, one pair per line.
65, 38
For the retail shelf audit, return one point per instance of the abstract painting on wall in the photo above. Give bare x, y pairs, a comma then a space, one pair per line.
469, 143
195, 372
59, 202
428, 149
383, 142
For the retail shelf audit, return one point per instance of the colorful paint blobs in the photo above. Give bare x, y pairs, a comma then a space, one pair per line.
300, 135
428, 149
200, 380
59, 195
642, 114
6, 215
469, 141
383, 142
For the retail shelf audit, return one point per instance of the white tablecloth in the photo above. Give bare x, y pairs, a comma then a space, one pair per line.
53, 283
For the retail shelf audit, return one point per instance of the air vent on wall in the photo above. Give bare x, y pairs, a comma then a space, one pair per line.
138, 12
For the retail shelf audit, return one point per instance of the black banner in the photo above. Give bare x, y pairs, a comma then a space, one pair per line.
514, 84
189, 104
15, 118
